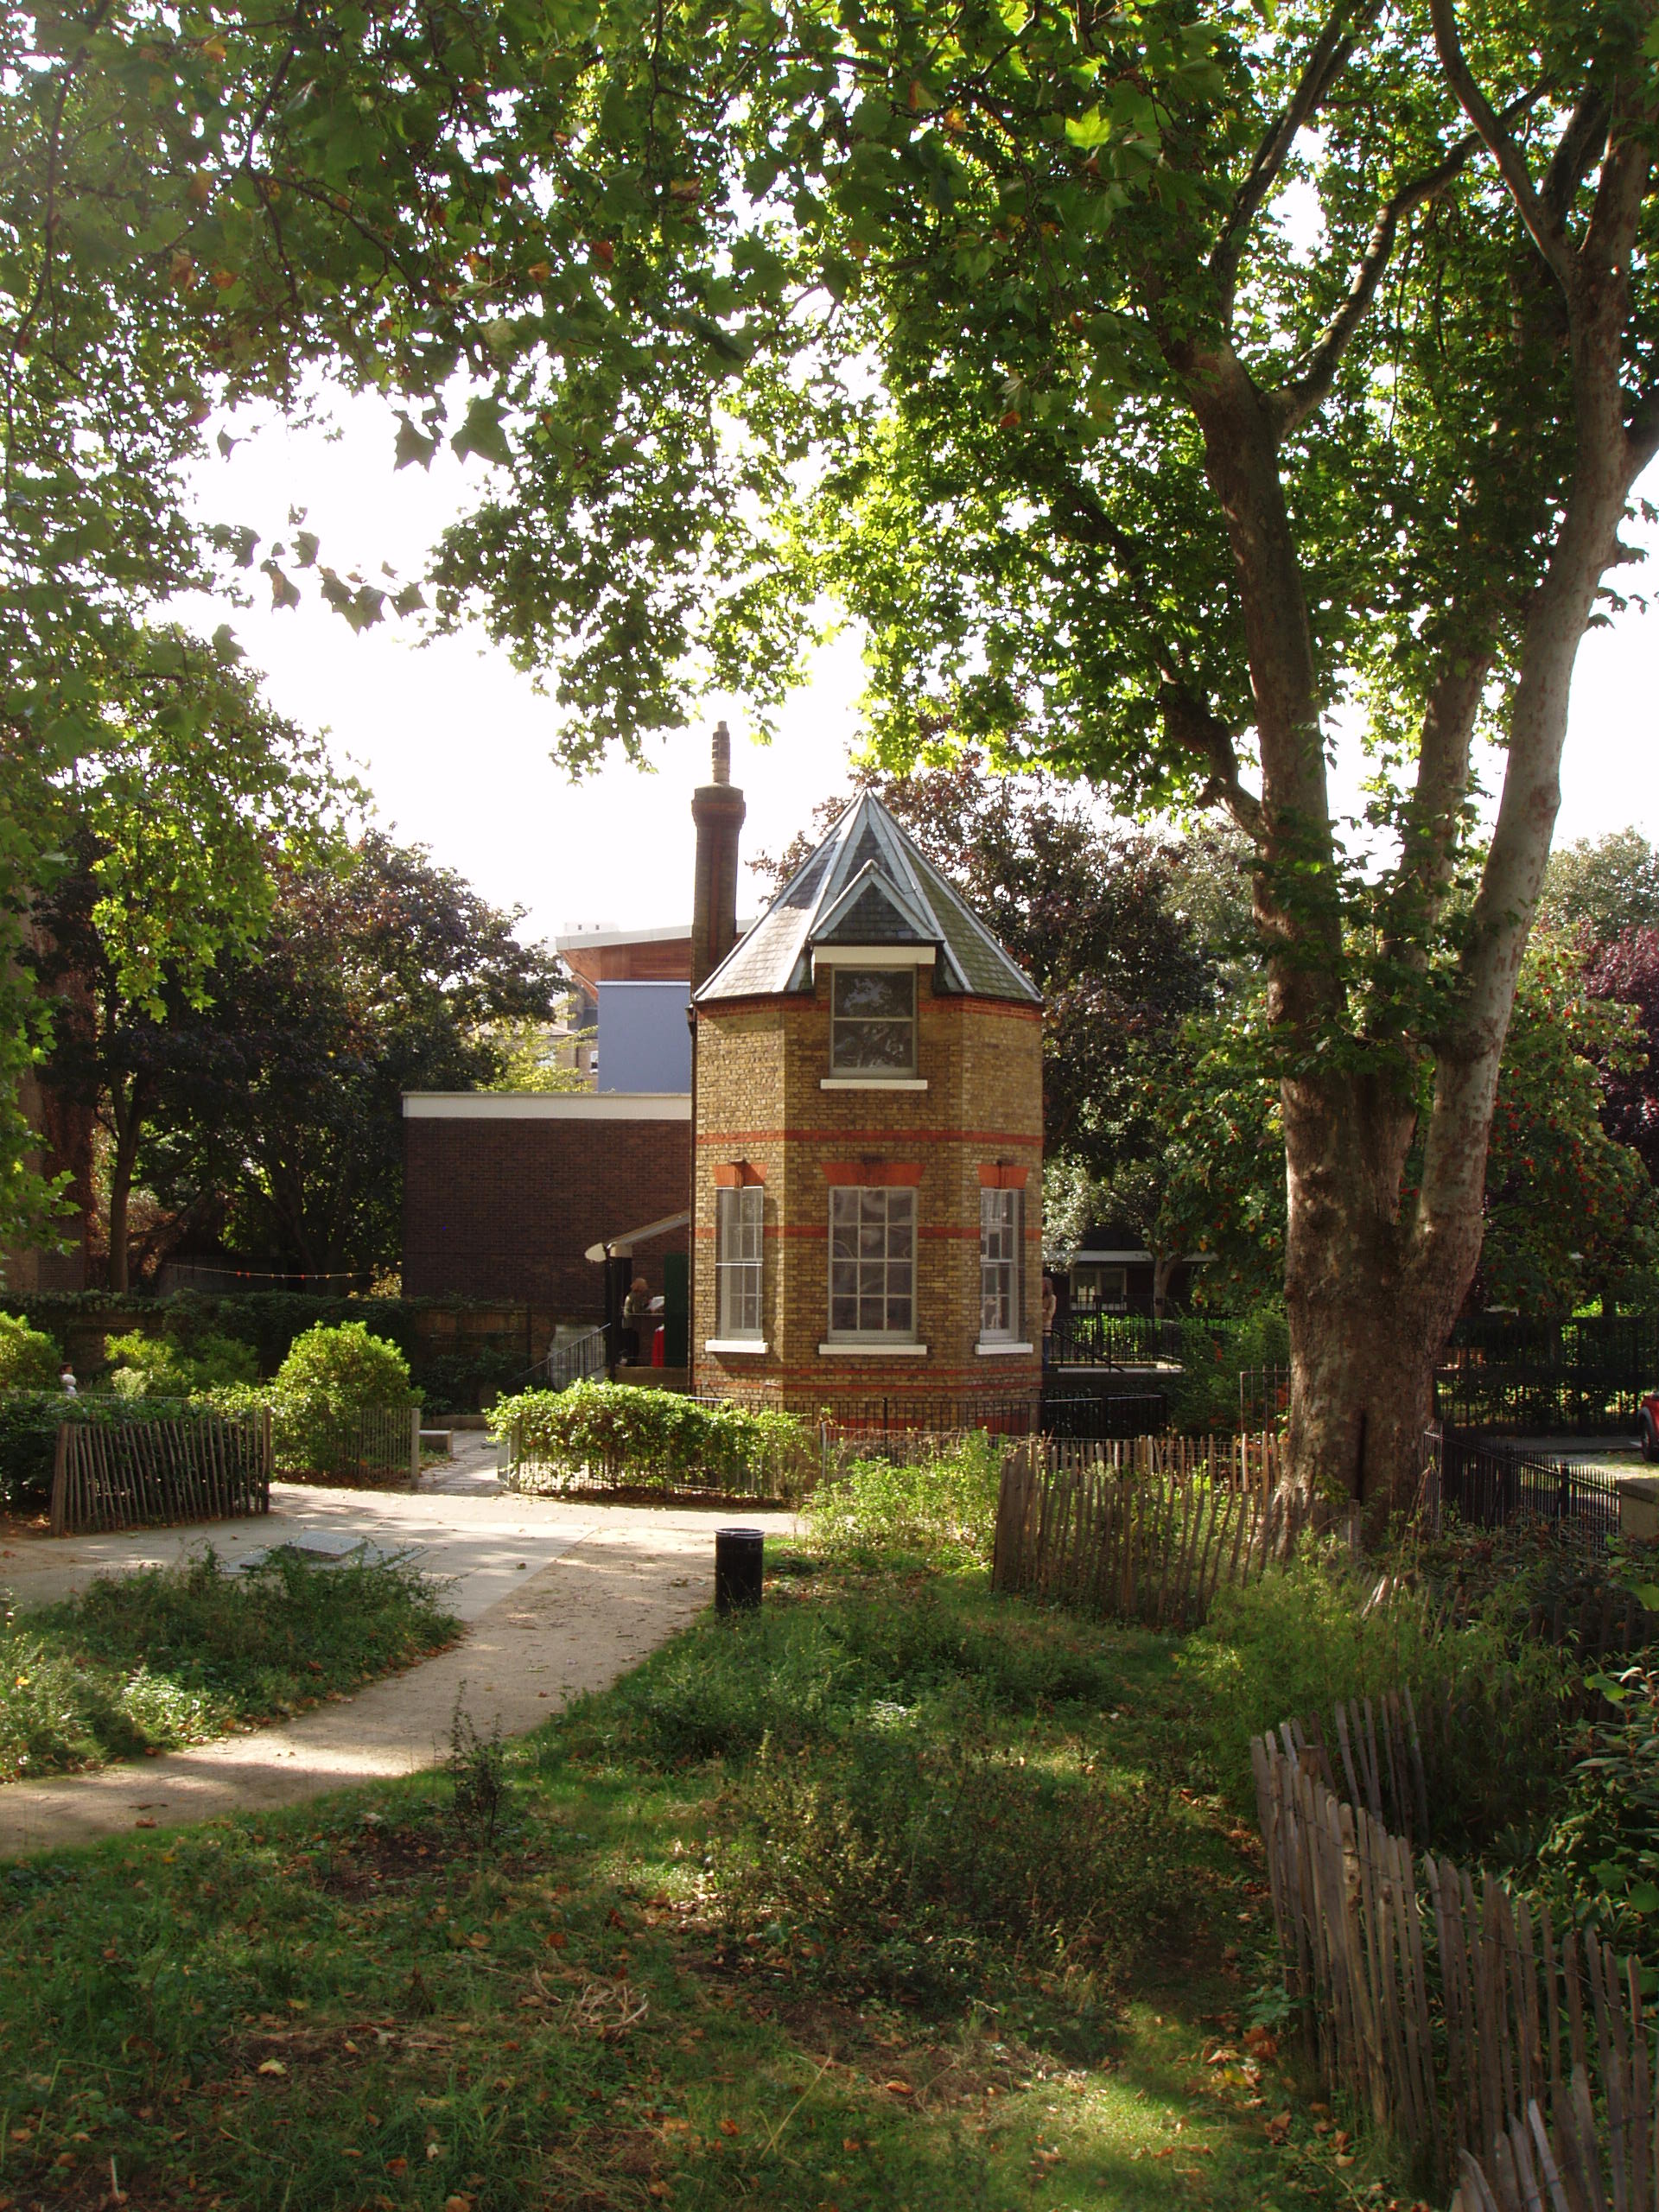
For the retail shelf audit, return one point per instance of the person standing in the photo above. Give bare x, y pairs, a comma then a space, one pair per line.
636, 1319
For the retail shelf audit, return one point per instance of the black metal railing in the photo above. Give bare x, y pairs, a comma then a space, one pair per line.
1112, 1340
1492, 1488
1582, 1376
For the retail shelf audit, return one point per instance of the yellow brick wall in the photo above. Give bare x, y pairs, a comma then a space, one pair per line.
759, 1070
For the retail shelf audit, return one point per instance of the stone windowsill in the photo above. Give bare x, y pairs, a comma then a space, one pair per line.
734, 1344
1001, 1350
872, 1083
872, 1351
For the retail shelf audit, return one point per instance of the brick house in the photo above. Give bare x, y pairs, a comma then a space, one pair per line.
868, 1133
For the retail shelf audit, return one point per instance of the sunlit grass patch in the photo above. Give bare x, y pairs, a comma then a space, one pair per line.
162, 1657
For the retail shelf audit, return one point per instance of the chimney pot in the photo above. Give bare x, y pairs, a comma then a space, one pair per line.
722, 754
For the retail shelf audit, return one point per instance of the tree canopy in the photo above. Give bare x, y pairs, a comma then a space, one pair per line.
278, 1106
1158, 386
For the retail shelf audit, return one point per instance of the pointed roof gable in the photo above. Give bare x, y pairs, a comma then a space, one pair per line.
866, 884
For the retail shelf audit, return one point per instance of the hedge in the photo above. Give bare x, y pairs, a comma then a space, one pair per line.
455, 1376
657, 1439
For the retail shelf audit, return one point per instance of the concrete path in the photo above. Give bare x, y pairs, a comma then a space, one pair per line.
559, 1598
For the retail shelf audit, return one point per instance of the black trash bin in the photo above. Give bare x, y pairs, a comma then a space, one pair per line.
737, 1569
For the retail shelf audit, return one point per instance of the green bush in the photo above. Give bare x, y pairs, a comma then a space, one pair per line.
656, 1438
330, 1378
145, 1366
1213, 1355
28, 1358
941, 1509
1599, 1861
1303, 1636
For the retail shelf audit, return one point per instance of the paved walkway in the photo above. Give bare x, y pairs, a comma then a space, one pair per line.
559, 1598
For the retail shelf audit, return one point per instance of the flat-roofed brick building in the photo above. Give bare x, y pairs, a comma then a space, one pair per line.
505, 1192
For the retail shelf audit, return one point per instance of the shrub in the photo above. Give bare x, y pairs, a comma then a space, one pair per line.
1303, 1636
330, 1378
144, 1366
28, 1358
942, 1508
657, 1439
1599, 1860
1213, 1355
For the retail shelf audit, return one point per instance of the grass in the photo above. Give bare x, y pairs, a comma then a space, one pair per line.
890, 1897
145, 1661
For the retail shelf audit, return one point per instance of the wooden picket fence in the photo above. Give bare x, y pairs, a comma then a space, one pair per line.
137, 1474
1505, 2054
1144, 1528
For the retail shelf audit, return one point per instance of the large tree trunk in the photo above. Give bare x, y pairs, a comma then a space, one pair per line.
1367, 1323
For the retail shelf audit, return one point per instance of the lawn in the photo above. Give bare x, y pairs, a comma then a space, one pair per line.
147, 1661
896, 1896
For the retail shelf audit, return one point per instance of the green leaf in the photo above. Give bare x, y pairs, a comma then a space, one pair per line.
482, 433
413, 444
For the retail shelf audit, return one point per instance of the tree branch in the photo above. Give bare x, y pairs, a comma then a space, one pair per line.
1190, 724
1544, 226
1577, 147
1331, 49
1295, 402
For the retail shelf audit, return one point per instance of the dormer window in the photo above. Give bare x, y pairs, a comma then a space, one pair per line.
872, 1021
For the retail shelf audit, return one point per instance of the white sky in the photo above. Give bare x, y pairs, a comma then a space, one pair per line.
454, 743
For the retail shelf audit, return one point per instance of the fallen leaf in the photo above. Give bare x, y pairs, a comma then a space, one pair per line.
145, 1823
272, 2066
898, 2089
1344, 2158
457, 2204
1223, 2054
398, 2165
729, 2127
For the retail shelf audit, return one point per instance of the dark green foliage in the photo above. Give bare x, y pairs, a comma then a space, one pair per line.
477, 1770
162, 1657
1599, 1861
451, 1380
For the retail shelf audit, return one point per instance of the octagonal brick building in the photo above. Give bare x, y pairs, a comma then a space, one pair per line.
866, 1169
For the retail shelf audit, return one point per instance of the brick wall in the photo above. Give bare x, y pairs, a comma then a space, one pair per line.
506, 1209
760, 1101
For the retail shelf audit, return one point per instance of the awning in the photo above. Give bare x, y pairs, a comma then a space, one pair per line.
620, 1248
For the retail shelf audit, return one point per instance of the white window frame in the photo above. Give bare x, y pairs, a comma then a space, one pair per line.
837, 1073
898, 1205
740, 1218
1001, 1263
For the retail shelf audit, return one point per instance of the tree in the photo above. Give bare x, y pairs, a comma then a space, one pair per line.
170, 839
196, 209
1627, 970
281, 1102
1569, 1214
1124, 476
1604, 887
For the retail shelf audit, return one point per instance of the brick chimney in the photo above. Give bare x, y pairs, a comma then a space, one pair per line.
717, 809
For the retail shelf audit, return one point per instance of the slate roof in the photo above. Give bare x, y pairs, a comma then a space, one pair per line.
866, 884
